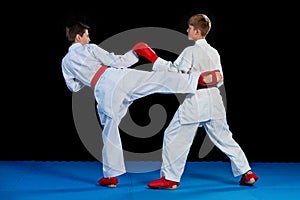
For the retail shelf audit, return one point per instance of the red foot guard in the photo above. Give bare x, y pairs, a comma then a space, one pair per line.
163, 183
248, 179
109, 182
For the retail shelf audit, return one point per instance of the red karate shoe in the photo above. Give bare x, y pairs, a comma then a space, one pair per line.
163, 183
109, 182
248, 179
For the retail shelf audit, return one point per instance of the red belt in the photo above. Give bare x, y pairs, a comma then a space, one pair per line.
97, 76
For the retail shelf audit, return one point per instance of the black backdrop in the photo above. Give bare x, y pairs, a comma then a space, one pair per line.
254, 42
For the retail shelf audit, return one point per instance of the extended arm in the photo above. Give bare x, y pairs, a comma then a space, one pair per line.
206, 79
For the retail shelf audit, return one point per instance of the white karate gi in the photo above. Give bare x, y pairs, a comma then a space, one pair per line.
205, 108
116, 89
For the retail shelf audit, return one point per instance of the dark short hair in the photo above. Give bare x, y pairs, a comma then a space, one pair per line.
75, 28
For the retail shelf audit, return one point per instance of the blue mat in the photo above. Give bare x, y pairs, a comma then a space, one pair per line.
64, 180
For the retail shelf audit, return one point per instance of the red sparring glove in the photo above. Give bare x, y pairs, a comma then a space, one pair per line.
214, 79
142, 49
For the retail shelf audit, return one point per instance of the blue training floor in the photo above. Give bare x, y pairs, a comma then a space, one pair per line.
70, 180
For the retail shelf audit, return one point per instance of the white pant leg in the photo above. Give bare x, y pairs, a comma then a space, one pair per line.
138, 84
112, 152
219, 133
177, 141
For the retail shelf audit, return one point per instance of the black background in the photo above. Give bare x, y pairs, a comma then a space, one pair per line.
258, 48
